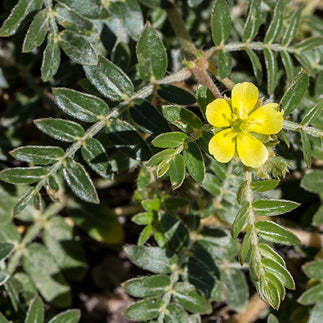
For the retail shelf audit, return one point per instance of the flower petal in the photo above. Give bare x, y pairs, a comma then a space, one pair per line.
251, 151
222, 146
267, 119
218, 113
244, 97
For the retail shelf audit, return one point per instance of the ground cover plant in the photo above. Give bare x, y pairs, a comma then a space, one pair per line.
161, 161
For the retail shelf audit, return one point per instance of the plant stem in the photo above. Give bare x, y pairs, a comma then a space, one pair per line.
289, 125
233, 47
181, 32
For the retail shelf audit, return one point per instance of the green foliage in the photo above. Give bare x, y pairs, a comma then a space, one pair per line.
123, 116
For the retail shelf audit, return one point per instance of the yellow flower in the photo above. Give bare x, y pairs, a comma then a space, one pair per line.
239, 121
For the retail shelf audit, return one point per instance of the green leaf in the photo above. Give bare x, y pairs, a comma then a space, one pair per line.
77, 48
132, 17
144, 310
48, 279
212, 184
154, 259
3, 319
240, 220
224, 63
72, 21
309, 43
266, 207
274, 232
220, 22
52, 188
194, 162
318, 216
60, 241
288, 65
313, 113
272, 318
69, 316
144, 235
151, 54
304, 61
38, 155
98, 221
193, 301
51, 58
316, 313
279, 271
269, 292
174, 203
312, 182
151, 205
96, 157
176, 314
60, 129
218, 243
182, 118
23, 175
291, 28
23, 202
79, 181
245, 247
175, 94
295, 93
264, 186
121, 55
276, 23
203, 97
237, 288
122, 135
268, 252
169, 139
37, 31
253, 21
143, 218
150, 286
17, 15
159, 157
35, 312
312, 295
272, 70
109, 80
148, 118
256, 65
91, 9
306, 147
82, 106
314, 269
174, 231
5, 250
277, 283
177, 171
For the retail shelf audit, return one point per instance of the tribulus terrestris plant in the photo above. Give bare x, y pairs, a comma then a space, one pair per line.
184, 136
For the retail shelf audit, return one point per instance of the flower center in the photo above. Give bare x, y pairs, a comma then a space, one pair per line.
240, 125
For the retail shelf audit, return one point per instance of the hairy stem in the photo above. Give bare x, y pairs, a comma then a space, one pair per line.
233, 47
180, 30
289, 125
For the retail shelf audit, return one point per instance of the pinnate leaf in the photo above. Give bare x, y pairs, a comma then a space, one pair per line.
274, 232
151, 55
220, 22
80, 105
79, 181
